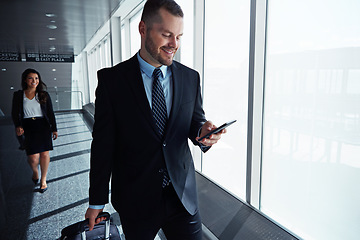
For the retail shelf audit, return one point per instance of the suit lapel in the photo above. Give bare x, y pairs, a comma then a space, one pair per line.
135, 81
177, 94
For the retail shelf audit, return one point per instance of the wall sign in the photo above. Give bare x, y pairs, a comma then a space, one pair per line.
10, 57
43, 57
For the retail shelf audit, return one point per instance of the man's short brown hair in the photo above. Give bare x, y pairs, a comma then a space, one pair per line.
150, 13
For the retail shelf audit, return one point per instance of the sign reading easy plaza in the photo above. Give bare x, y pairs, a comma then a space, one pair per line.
43, 57
10, 57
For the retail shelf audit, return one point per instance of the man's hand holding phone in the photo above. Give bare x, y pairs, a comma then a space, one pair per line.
210, 134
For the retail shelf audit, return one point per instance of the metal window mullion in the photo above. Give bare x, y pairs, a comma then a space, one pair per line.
255, 100
199, 35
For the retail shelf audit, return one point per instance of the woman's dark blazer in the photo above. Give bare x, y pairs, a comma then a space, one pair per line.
18, 113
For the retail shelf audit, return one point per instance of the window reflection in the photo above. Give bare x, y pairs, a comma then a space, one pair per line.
311, 132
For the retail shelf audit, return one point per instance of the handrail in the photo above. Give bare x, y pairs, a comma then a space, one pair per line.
67, 105
82, 96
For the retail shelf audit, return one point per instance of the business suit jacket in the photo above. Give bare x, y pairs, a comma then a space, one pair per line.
17, 111
126, 144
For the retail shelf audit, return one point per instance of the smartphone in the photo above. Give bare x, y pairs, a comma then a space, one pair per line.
216, 130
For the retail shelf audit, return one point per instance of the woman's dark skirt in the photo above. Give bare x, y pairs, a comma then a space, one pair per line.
38, 136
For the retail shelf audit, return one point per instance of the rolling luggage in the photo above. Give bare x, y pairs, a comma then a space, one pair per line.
104, 230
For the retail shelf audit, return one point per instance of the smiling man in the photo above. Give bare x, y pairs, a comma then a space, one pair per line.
161, 34
146, 109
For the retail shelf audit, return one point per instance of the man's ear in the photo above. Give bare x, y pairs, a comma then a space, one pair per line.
142, 28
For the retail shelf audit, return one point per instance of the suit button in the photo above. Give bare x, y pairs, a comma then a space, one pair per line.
164, 144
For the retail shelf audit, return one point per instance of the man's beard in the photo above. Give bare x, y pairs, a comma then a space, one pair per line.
153, 51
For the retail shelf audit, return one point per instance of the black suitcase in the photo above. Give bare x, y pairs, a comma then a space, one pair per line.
104, 230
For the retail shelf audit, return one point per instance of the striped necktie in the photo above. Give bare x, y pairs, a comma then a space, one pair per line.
158, 103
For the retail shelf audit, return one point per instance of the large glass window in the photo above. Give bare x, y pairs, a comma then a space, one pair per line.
225, 87
311, 137
99, 57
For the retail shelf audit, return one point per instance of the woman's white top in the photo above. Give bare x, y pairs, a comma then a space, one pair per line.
32, 107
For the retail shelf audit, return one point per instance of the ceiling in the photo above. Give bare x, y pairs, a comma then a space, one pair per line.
26, 26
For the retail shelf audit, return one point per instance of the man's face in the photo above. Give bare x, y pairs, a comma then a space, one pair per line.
161, 41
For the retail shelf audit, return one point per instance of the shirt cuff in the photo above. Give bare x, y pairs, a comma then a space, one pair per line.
96, 206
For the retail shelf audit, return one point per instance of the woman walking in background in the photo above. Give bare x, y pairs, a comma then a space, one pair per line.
33, 116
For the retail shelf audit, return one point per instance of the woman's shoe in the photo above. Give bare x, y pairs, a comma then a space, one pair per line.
42, 190
35, 181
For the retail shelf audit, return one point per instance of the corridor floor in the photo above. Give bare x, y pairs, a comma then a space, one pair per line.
32, 215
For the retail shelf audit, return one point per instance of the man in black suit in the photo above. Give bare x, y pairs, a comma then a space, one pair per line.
151, 168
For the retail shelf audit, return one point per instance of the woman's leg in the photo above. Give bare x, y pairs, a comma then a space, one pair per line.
33, 161
44, 165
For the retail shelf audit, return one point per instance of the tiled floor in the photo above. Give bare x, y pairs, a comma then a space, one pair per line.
66, 200
43, 216
32, 215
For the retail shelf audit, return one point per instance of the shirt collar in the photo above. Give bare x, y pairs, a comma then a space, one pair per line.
148, 69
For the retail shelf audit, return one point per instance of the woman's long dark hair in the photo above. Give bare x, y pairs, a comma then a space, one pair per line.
41, 87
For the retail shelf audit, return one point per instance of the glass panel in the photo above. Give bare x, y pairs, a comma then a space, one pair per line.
135, 40
311, 134
101, 56
107, 52
92, 74
123, 48
63, 98
226, 90
187, 40
98, 57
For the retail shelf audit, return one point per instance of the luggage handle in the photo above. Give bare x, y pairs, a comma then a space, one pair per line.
84, 223
79, 228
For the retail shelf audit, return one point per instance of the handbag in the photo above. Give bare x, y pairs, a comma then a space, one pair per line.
21, 140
